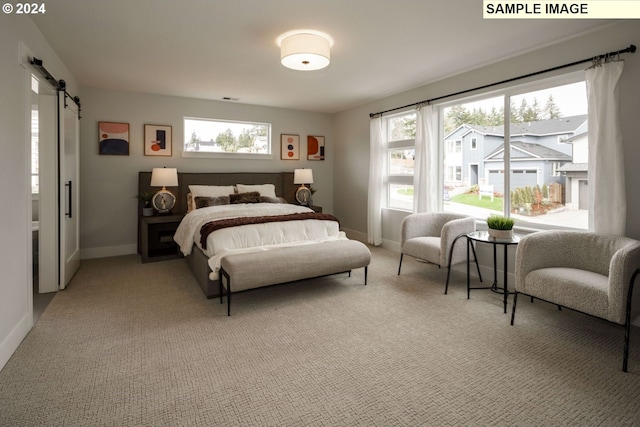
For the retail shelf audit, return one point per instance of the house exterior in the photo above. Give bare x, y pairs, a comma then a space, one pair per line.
577, 193
474, 154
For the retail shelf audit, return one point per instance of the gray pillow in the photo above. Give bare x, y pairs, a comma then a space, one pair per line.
203, 202
251, 197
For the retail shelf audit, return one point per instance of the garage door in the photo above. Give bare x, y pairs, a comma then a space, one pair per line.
519, 178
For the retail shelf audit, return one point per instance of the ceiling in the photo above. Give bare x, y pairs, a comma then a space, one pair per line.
212, 49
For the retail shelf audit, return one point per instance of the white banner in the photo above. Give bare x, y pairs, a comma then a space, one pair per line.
588, 9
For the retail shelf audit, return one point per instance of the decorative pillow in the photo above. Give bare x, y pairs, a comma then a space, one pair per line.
265, 199
251, 197
190, 206
203, 202
267, 190
211, 190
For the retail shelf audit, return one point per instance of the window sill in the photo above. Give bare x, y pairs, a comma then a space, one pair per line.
227, 156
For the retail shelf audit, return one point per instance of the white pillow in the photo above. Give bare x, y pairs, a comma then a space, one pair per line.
210, 190
266, 190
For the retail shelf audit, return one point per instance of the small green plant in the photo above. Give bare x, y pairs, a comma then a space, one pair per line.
145, 197
500, 222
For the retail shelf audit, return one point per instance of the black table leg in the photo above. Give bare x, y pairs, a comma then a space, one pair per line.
506, 289
468, 282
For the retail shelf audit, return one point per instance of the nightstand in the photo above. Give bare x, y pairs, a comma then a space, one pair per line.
317, 209
156, 237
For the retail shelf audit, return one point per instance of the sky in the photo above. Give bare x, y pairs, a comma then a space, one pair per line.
571, 99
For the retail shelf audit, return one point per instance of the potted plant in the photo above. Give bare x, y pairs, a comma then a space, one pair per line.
500, 227
146, 197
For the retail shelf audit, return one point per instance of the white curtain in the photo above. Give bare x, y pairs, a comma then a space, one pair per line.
376, 174
425, 174
607, 194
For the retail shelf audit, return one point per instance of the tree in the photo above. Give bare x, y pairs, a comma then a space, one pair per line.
496, 117
227, 141
404, 128
551, 110
194, 143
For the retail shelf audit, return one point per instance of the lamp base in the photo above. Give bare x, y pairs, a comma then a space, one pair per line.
303, 195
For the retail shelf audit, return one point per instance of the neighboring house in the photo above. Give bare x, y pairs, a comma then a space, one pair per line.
577, 192
474, 154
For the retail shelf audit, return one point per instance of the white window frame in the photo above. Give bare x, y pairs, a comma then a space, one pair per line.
219, 155
398, 179
509, 92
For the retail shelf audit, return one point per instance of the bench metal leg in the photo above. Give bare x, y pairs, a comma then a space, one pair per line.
225, 275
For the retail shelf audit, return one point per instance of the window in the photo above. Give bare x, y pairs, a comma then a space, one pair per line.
545, 155
400, 135
213, 138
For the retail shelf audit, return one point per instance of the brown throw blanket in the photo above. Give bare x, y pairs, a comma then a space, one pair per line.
212, 226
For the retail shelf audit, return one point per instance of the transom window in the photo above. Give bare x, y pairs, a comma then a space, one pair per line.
223, 137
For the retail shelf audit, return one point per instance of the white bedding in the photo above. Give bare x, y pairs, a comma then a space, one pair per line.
254, 237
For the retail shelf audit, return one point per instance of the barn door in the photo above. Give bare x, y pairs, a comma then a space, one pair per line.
69, 145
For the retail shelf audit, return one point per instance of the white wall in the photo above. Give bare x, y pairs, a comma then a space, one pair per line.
15, 183
108, 210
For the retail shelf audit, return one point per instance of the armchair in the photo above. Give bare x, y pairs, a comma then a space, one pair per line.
431, 237
586, 272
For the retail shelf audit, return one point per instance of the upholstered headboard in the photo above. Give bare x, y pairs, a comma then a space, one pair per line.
282, 180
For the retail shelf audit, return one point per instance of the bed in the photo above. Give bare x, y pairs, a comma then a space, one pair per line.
242, 213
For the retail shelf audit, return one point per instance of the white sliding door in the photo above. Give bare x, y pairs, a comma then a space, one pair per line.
69, 145
47, 188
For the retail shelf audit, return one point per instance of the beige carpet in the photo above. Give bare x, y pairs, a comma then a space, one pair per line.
130, 344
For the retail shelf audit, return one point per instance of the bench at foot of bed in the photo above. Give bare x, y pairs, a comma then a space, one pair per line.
243, 271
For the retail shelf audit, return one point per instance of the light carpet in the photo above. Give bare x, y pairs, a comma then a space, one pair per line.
131, 344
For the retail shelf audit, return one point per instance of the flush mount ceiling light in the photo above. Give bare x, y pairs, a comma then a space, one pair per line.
305, 50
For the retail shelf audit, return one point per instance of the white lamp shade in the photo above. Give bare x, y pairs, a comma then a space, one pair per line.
305, 51
303, 176
164, 177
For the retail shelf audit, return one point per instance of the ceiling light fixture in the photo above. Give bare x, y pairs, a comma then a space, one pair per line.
305, 50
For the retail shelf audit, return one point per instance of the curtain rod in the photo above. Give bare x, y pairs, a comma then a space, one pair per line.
60, 85
630, 49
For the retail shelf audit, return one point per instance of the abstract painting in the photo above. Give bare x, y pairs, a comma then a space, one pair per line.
315, 147
157, 140
114, 138
289, 147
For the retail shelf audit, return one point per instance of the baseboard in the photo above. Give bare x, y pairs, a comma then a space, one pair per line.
108, 251
10, 344
355, 235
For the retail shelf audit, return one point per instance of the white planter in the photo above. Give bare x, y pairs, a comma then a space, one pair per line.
501, 234
147, 211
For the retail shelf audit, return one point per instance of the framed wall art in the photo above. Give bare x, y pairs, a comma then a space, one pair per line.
289, 147
113, 138
157, 140
315, 147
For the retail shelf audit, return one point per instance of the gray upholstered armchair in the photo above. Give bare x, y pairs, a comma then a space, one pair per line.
431, 236
586, 272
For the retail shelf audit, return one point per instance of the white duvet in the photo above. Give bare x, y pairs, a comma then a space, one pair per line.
254, 237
